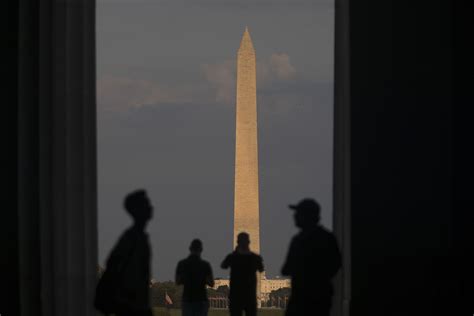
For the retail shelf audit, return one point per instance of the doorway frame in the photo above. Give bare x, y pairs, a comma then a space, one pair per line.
57, 157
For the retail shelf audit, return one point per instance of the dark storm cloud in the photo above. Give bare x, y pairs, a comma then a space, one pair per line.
166, 119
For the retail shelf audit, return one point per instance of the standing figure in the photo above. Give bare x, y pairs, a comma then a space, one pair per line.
124, 287
244, 265
194, 273
312, 261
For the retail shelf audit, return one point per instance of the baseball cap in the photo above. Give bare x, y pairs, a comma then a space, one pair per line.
308, 207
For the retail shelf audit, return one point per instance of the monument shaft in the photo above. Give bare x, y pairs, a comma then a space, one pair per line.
246, 201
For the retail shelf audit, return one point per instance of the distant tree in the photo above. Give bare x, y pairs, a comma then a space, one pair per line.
223, 289
211, 292
159, 289
279, 295
284, 291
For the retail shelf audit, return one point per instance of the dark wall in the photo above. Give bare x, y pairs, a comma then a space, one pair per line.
20, 278
463, 215
405, 229
9, 299
48, 159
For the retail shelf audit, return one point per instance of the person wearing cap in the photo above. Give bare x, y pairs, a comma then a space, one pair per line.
312, 262
243, 265
194, 273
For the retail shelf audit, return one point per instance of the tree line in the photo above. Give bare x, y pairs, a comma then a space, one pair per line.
159, 290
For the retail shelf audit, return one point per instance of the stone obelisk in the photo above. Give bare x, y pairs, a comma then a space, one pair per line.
246, 204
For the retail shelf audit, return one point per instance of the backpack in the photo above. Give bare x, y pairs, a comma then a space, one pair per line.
106, 293
109, 288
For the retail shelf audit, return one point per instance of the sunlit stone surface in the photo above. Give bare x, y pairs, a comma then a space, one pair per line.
246, 204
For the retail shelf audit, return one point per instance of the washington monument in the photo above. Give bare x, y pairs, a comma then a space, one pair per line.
246, 204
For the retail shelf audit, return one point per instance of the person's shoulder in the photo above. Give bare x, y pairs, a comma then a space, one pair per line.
256, 256
205, 263
227, 262
126, 238
182, 262
234, 255
122, 247
298, 237
321, 230
323, 237
324, 229
128, 232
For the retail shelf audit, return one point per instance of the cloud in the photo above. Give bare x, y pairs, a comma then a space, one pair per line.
280, 65
122, 93
222, 76
274, 69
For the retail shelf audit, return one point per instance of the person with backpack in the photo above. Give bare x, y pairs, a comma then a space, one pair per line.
123, 289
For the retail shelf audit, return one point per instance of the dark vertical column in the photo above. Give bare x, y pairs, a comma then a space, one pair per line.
464, 157
342, 157
50, 144
67, 154
401, 159
9, 265
45, 135
28, 149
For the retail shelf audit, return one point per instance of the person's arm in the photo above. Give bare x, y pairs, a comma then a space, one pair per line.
260, 267
287, 268
209, 276
179, 274
226, 263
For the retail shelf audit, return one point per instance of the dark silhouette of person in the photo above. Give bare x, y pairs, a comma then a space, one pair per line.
128, 264
194, 273
312, 261
244, 265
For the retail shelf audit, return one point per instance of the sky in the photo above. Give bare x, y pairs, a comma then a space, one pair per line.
166, 120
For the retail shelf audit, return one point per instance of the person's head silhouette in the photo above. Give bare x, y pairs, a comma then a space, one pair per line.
196, 247
139, 207
307, 213
243, 241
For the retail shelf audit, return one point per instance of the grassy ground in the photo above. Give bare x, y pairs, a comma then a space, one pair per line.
160, 311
